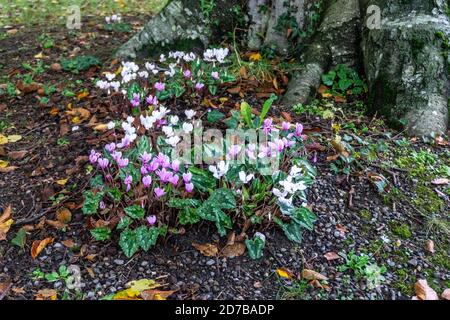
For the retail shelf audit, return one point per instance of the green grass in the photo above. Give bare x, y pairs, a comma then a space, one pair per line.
35, 12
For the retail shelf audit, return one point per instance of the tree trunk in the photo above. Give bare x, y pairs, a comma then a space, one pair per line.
406, 57
407, 64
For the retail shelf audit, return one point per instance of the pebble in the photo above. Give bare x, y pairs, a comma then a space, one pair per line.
119, 262
210, 262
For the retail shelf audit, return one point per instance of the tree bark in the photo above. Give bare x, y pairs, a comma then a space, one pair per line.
406, 59
407, 65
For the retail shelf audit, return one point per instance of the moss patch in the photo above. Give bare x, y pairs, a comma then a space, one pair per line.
401, 229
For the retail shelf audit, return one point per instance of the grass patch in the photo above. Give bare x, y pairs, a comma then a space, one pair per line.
35, 12
402, 230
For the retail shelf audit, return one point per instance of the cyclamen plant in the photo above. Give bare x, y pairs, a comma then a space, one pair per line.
144, 189
173, 76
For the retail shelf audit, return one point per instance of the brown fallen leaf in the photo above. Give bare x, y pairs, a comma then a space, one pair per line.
341, 228
17, 155
46, 294
5, 222
429, 246
55, 66
64, 215
39, 245
208, 249
330, 256
308, 274
233, 250
446, 294
156, 294
18, 290
424, 291
28, 87
4, 288
324, 91
69, 243
8, 169
79, 114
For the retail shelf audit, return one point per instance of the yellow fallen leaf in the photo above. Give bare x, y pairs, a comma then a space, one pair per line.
3, 139
255, 57
143, 284
62, 182
39, 56
101, 127
5, 222
128, 294
14, 138
82, 95
284, 273
3, 163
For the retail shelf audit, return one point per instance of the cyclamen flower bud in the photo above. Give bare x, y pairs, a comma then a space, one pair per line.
189, 187
187, 177
151, 220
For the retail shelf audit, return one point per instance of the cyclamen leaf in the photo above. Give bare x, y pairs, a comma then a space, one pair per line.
203, 180
20, 238
212, 209
188, 216
129, 243
124, 223
215, 115
91, 202
135, 212
115, 194
266, 107
255, 247
101, 234
147, 237
304, 217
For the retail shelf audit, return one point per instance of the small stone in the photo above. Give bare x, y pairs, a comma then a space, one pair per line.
119, 262
210, 262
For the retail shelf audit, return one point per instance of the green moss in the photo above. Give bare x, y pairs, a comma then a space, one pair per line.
427, 200
441, 259
365, 214
402, 230
405, 282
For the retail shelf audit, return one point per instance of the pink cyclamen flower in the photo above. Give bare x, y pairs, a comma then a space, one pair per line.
187, 73
187, 177
122, 163
153, 166
160, 86
164, 175
128, 180
159, 192
135, 103
103, 163
288, 143
93, 156
146, 157
144, 170
285, 126
110, 147
199, 86
175, 165
116, 155
189, 187
152, 100
234, 150
267, 125
151, 220
147, 181
278, 145
102, 205
298, 130
174, 180
215, 75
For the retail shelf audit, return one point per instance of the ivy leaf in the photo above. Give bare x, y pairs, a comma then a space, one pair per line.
91, 202
256, 246
128, 242
101, 234
135, 212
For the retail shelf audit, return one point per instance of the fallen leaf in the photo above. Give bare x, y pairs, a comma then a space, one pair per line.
429, 246
62, 182
330, 256
17, 290
64, 215
208, 249
233, 250
323, 91
308, 274
14, 138
101, 127
79, 115
8, 169
340, 99
440, 181
17, 155
3, 139
39, 245
446, 294
69, 243
46, 294
5, 222
156, 294
234, 90
55, 66
285, 273
255, 57
4, 288
3, 163
424, 291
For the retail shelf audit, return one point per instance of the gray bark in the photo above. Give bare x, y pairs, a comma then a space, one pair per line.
407, 66
334, 43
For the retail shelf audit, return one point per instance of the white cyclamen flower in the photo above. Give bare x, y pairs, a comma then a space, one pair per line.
174, 120
220, 170
111, 125
245, 178
188, 127
190, 114
173, 141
